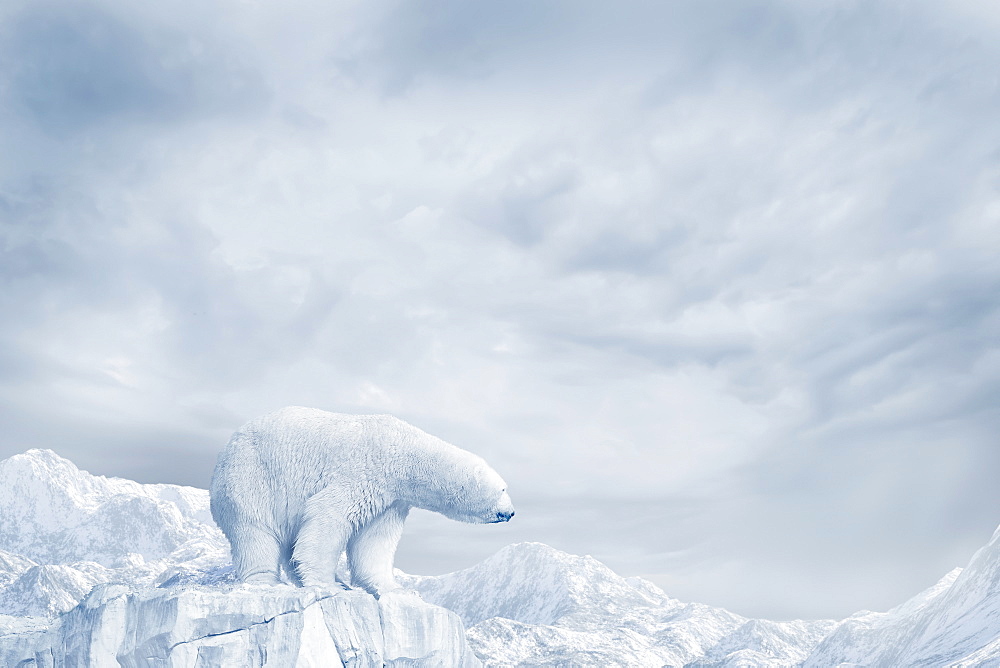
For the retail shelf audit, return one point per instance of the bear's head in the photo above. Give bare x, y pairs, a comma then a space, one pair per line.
460, 486
480, 497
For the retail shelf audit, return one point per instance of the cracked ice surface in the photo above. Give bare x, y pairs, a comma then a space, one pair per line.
242, 625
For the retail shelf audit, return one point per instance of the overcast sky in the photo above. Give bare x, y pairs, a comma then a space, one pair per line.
713, 285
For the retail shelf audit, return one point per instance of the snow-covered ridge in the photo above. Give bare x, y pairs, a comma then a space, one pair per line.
83, 557
63, 531
54, 513
511, 583
535, 605
954, 623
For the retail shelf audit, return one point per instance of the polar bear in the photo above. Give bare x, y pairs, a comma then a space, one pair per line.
295, 488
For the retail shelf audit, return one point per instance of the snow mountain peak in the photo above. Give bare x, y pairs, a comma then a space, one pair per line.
53, 513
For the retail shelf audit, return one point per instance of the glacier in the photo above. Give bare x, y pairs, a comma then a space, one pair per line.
101, 571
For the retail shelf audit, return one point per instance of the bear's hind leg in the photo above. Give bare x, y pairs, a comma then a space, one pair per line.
320, 541
371, 551
256, 555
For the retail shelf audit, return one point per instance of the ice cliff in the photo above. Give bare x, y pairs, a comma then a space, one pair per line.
240, 626
106, 572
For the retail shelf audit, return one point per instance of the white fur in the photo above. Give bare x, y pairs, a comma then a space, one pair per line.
295, 488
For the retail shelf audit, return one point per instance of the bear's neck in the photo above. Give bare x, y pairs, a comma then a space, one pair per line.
425, 474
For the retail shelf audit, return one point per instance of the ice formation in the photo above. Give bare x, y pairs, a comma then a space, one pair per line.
245, 625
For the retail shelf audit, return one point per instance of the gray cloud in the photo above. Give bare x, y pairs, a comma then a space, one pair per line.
73, 66
714, 289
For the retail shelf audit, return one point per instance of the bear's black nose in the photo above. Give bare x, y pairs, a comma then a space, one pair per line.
505, 517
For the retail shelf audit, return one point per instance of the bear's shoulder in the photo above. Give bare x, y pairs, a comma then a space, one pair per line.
292, 417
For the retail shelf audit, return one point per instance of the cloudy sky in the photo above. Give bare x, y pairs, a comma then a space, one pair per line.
713, 285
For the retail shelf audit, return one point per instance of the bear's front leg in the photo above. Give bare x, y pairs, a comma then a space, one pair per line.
320, 540
256, 554
371, 550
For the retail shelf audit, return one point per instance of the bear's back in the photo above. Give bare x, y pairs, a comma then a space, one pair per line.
311, 447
